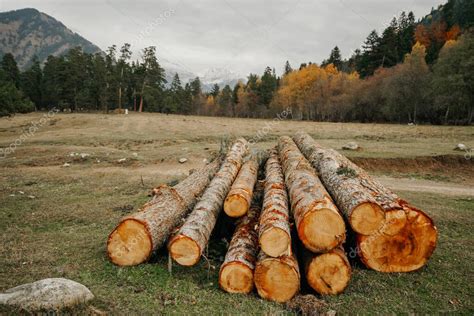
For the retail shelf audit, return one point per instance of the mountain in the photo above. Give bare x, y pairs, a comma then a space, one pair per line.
28, 32
220, 76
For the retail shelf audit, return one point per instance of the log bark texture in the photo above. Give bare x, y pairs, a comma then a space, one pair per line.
277, 279
187, 245
138, 235
236, 272
366, 204
238, 200
327, 273
274, 229
318, 222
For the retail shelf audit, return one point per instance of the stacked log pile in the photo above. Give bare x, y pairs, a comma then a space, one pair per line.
295, 214
392, 235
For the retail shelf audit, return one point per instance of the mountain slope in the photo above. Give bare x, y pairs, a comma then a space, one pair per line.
28, 32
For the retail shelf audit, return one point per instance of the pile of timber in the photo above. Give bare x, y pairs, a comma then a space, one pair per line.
290, 207
392, 235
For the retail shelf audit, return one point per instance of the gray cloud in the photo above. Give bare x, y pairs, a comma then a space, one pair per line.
243, 36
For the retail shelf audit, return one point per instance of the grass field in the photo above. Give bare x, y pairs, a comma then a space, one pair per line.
54, 220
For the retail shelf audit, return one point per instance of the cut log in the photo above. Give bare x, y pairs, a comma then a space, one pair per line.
277, 279
366, 207
318, 222
274, 229
187, 245
236, 273
138, 235
327, 273
408, 250
239, 198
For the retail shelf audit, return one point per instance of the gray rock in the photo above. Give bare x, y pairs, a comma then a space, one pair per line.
182, 160
47, 294
461, 147
351, 146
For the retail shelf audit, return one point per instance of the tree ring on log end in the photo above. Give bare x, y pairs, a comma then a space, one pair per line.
275, 280
275, 242
130, 243
395, 220
406, 251
236, 205
329, 273
322, 230
236, 277
184, 250
367, 218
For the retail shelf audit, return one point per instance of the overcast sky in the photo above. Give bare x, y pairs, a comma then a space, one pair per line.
240, 35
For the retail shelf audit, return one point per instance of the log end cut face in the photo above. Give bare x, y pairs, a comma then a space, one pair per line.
329, 273
184, 250
236, 277
367, 218
322, 230
129, 244
236, 206
406, 251
275, 280
275, 242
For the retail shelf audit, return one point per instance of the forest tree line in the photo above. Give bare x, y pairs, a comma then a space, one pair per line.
418, 72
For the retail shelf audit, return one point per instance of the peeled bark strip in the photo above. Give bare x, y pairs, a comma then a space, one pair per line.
236, 273
274, 229
327, 273
277, 279
239, 198
318, 222
138, 235
408, 250
366, 204
187, 245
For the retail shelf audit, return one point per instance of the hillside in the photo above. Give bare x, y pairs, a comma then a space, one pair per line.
28, 32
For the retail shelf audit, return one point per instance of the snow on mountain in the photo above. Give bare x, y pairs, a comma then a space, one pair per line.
220, 76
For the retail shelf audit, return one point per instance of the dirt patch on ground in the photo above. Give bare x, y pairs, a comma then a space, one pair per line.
443, 164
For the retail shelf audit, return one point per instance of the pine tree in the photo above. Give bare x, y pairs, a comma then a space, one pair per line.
288, 68
32, 82
10, 68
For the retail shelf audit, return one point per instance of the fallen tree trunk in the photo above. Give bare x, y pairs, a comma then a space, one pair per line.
138, 235
401, 240
327, 273
239, 198
318, 222
274, 229
236, 273
408, 250
366, 205
277, 279
187, 245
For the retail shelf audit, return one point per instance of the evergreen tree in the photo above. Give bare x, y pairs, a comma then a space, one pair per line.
32, 82
215, 90
288, 68
10, 68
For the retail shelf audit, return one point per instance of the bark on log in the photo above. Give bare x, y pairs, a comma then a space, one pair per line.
138, 235
366, 204
187, 245
277, 279
327, 273
239, 198
408, 250
274, 229
318, 222
236, 273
